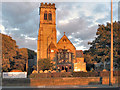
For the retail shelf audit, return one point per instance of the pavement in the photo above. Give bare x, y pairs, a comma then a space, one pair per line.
66, 86
81, 86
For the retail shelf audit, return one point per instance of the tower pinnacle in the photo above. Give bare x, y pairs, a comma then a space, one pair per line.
64, 33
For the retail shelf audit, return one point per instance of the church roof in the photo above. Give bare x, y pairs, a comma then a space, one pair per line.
64, 40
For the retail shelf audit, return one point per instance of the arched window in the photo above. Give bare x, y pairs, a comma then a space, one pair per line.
45, 15
62, 68
64, 40
50, 16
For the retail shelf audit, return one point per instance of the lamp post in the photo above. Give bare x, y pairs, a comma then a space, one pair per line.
111, 58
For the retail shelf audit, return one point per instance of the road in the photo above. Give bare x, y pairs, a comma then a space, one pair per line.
75, 87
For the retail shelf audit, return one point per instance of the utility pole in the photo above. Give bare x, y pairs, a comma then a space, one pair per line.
111, 59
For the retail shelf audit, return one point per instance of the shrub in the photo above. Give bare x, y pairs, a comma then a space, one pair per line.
40, 75
85, 74
45, 64
104, 73
63, 74
49, 75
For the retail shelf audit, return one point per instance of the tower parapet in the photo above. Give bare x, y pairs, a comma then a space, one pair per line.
47, 5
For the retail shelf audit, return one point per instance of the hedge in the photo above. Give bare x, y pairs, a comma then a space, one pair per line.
106, 73
85, 74
73, 74
49, 75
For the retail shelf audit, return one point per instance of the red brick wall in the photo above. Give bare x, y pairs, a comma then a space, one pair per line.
69, 81
63, 81
105, 80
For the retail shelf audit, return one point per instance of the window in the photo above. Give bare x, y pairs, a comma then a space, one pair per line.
52, 50
67, 55
62, 68
50, 16
64, 40
45, 15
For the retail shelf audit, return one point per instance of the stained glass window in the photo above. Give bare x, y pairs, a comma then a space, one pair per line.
45, 15
50, 16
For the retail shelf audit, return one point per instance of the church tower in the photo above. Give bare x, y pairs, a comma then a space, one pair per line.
47, 30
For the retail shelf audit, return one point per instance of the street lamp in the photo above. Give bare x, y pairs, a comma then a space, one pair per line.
111, 58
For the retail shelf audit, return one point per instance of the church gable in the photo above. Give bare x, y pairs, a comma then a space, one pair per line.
65, 41
52, 46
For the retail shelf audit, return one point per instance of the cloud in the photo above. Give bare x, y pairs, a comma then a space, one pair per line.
2, 29
21, 15
29, 38
78, 28
119, 11
21, 18
58, 33
28, 43
70, 37
79, 21
81, 48
13, 29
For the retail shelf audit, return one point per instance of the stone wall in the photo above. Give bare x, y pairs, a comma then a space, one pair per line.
105, 80
64, 81
71, 81
16, 82
57, 81
80, 66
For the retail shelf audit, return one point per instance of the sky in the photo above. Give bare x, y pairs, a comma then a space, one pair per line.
79, 20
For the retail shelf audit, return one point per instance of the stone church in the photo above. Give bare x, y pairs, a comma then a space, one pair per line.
63, 52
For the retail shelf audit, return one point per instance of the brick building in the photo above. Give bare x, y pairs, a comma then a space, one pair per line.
63, 51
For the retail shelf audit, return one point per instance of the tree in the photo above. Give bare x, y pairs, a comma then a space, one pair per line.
6, 65
45, 64
12, 56
100, 47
